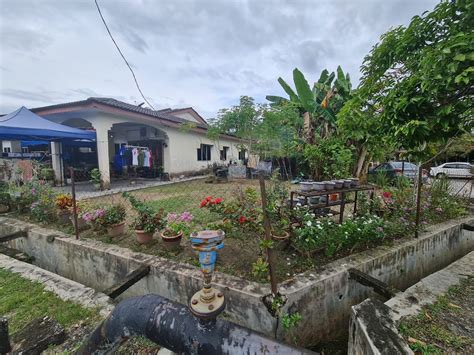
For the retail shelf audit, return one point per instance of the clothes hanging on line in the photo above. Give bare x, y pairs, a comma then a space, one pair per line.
135, 157
146, 158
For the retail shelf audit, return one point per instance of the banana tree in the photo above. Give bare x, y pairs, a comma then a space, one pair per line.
319, 105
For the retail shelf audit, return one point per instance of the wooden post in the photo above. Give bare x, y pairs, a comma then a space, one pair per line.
267, 227
74, 205
418, 201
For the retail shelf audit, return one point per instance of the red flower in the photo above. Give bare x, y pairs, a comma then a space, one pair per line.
203, 203
387, 194
208, 198
218, 200
242, 219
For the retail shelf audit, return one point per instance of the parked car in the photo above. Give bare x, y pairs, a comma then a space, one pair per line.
455, 170
395, 169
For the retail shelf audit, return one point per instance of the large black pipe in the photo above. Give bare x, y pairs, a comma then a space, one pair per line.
172, 326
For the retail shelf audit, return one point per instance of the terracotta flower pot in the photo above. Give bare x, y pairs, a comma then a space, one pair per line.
333, 197
116, 229
63, 217
281, 241
143, 237
171, 242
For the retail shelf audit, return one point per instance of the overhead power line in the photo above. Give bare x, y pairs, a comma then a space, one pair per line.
121, 54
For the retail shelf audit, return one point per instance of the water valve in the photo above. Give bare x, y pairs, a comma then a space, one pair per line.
208, 302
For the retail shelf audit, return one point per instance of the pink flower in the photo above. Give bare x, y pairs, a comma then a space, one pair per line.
387, 194
186, 217
171, 217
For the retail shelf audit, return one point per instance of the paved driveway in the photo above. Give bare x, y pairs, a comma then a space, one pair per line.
460, 187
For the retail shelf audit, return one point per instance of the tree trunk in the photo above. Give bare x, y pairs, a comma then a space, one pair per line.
361, 161
308, 128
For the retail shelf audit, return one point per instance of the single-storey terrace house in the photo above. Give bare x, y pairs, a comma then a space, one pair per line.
175, 138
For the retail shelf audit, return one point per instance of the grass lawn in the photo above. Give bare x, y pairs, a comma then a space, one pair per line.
22, 300
183, 196
445, 326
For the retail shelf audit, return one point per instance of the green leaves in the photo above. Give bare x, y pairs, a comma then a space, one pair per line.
305, 94
417, 82
288, 90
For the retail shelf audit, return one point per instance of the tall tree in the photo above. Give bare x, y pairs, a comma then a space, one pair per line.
418, 81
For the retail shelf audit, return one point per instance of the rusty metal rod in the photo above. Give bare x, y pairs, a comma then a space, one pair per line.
172, 326
418, 200
267, 228
74, 205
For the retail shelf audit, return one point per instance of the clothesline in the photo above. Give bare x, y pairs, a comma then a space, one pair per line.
136, 146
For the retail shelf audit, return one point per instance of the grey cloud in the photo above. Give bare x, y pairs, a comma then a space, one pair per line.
41, 96
202, 53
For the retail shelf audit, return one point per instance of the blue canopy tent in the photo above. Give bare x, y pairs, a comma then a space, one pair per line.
24, 125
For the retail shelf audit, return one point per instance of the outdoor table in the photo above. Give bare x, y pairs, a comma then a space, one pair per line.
342, 202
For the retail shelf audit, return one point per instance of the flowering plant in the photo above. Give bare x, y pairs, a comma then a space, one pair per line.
63, 201
324, 234
209, 201
93, 216
178, 223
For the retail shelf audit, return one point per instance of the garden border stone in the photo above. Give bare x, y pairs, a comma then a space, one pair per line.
323, 297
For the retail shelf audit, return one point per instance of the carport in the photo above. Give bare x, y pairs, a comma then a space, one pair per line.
24, 125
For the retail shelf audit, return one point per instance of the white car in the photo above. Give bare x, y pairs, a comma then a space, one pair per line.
455, 169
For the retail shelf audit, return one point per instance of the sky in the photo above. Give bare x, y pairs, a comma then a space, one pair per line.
199, 53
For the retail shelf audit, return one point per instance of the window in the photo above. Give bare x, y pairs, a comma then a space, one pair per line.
24, 149
450, 166
242, 154
224, 153
204, 152
7, 150
143, 132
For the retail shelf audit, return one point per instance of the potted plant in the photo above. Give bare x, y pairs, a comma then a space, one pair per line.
64, 204
147, 221
280, 233
176, 226
114, 220
96, 178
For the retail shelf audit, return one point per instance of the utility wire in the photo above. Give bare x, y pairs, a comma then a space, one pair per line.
121, 54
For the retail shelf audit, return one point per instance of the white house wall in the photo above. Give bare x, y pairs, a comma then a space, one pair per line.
183, 147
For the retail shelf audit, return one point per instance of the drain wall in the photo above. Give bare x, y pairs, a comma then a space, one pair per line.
322, 298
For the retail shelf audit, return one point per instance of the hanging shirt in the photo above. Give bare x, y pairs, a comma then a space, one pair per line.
150, 161
141, 157
146, 158
135, 157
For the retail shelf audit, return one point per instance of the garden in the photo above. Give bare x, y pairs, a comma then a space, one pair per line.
302, 237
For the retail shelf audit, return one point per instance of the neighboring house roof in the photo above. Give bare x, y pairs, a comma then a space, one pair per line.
165, 116
188, 110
